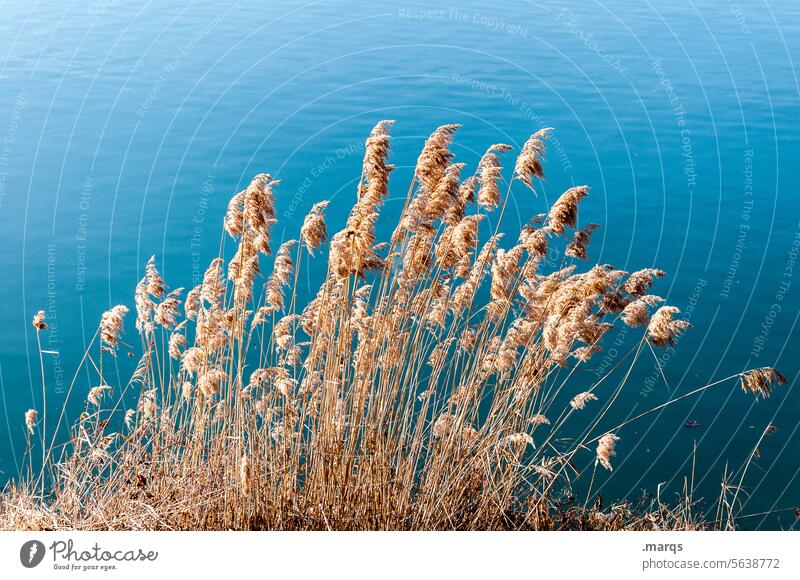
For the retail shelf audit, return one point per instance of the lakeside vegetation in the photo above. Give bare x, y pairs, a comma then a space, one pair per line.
428, 385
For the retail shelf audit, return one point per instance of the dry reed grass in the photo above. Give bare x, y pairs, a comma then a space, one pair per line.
413, 392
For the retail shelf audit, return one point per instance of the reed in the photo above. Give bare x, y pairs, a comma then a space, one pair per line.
426, 386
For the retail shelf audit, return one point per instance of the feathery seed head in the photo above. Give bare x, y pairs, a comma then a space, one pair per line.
605, 449
580, 400
489, 175
435, 157
529, 162
38, 321
761, 381
314, 233
111, 324
563, 213
663, 328
30, 419
95, 395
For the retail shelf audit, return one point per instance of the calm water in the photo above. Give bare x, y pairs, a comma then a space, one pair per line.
127, 126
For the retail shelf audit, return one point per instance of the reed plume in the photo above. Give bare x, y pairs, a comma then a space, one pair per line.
489, 173
38, 321
531, 157
606, 449
111, 325
663, 328
96, 394
435, 157
314, 233
579, 401
761, 381
31, 416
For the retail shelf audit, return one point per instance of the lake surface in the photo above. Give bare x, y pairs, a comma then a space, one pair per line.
127, 126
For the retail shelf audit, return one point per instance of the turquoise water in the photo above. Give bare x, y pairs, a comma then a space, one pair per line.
126, 127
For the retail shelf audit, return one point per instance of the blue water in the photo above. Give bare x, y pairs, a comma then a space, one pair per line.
126, 127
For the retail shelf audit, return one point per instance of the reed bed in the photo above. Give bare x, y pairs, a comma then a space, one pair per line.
426, 386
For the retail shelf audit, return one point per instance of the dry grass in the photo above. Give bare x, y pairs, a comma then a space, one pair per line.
424, 387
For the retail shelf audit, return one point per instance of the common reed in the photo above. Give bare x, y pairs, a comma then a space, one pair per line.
425, 385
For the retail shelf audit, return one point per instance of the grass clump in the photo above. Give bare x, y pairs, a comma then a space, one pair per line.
426, 385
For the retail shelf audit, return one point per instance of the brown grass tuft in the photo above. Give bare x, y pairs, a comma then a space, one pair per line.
412, 392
